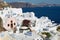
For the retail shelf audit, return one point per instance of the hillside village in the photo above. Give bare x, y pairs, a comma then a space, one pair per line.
16, 25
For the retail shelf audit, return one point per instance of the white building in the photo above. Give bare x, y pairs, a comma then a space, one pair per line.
13, 17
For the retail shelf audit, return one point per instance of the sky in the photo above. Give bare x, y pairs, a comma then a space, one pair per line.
36, 1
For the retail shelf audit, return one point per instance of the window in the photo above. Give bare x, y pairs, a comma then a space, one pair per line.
45, 29
14, 13
8, 25
14, 24
1, 12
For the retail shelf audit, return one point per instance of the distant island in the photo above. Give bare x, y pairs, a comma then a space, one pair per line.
24, 4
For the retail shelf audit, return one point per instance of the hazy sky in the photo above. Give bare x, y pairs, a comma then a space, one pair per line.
36, 1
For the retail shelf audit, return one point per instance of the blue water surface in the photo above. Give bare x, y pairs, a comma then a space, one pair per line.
52, 12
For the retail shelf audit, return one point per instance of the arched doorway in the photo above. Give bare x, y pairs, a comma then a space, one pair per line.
1, 25
25, 25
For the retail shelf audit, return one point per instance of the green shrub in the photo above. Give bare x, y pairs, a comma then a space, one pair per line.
47, 33
58, 28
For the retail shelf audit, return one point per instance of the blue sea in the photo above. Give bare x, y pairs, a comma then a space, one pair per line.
52, 12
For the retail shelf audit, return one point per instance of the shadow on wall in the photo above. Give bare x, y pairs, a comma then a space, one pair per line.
1, 25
